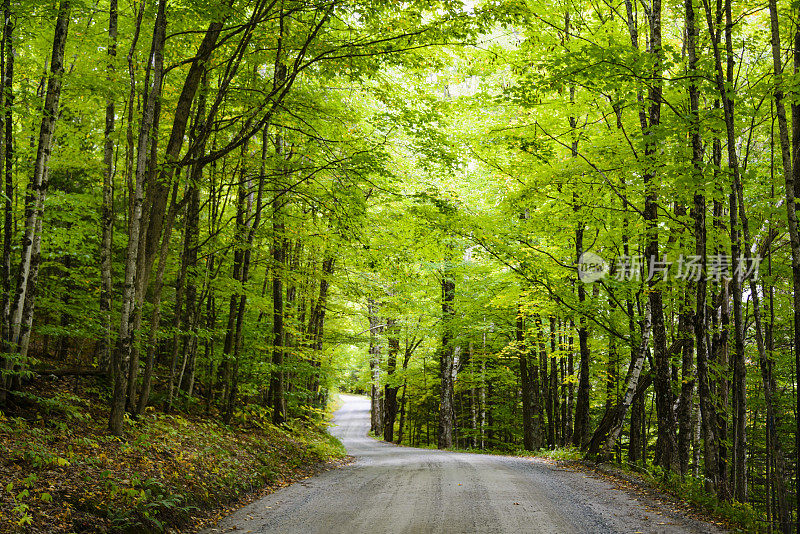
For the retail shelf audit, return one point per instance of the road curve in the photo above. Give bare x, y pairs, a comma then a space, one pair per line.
391, 489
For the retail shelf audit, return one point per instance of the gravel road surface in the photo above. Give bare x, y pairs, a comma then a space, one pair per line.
391, 489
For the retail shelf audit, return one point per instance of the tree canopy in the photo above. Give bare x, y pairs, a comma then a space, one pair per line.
514, 225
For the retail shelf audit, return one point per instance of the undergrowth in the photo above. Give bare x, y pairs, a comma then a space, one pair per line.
692, 490
61, 471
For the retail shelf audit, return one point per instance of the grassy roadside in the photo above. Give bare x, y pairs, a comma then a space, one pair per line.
61, 472
689, 493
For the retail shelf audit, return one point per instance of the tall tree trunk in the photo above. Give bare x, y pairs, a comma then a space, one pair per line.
142, 280
245, 236
390, 389
722, 384
410, 347
186, 288
610, 428
539, 380
666, 439
279, 245
291, 318
278, 266
155, 323
580, 434
21, 311
555, 424
376, 400
530, 435
446, 362
177, 317
739, 384
158, 190
565, 438
790, 170
708, 416
774, 449
636, 444
132, 103
122, 352
570, 422
317, 326
545, 394
152, 225
612, 371
791, 215
686, 400
6, 168
107, 215
650, 119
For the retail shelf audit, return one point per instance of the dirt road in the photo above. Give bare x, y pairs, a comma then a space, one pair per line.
390, 489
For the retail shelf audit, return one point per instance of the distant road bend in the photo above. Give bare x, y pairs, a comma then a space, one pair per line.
391, 489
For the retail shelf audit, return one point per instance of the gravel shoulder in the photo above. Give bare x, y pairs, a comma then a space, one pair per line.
391, 489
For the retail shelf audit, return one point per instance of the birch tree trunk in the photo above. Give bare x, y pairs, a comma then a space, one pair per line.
107, 214
610, 428
6, 168
122, 351
21, 311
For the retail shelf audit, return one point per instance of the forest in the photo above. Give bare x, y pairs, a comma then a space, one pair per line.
564, 227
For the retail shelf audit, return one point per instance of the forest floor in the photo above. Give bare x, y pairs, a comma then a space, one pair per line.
61, 470
410, 490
